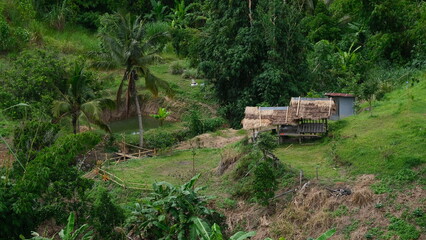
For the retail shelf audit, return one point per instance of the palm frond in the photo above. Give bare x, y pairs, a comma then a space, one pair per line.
153, 83
149, 59
107, 103
60, 107
92, 111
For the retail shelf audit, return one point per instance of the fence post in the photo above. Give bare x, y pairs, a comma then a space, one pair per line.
316, 170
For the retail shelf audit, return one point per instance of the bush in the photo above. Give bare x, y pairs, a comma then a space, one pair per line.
159, 139
190, 74
176, 68
51, 187
170, 210
184, 41
265, 182
34, 78
31, 137
266, 142
106, 215
12, 39
198, 126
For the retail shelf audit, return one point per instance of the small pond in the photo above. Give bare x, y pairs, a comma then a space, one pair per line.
131, 125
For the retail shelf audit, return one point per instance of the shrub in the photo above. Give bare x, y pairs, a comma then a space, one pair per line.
170, 211
12, 39
31, 137
265, 182
198, 126
106, 215
159, 139
190, 74
51, 187
34, 78
266, 142
176, 68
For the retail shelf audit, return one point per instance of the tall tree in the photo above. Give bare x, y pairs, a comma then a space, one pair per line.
79, 101
254, 53
131, 43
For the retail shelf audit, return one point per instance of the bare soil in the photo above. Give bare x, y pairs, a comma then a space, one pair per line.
212, 140
6, 158
314, 210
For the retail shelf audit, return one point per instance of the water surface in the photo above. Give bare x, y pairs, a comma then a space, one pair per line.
131, 125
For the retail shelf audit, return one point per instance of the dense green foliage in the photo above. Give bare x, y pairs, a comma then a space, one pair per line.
327, 47
105, 215
78, 101
247, 60
170, 212
31, 137
258, 173
197, 125
46, 187
33, 78
68, 233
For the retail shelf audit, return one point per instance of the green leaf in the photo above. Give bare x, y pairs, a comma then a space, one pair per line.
216, 233
202, 228
69, 228
242, 235
327, 234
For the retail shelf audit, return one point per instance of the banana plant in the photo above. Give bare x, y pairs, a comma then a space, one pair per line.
68, 232
349, 57
161, 115
204, 232
325, 235
159, 11
182, 14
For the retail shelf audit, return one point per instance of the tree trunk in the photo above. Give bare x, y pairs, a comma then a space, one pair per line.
138, 110
74, 123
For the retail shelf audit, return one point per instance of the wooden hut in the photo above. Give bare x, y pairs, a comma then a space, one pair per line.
302, 116
264, 117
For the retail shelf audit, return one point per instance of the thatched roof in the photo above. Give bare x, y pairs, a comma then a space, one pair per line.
259, 117
311, 108
300, 108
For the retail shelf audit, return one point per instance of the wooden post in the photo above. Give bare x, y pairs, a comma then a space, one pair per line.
316, 170
298, 107
286, 115
260, 117
329, 108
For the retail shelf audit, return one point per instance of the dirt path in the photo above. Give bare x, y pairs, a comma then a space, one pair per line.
218, 139
5, 157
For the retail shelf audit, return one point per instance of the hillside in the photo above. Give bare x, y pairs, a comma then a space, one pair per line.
379, 155
122, 120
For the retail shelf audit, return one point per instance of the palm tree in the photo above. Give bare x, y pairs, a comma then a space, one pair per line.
134, 45
78, 101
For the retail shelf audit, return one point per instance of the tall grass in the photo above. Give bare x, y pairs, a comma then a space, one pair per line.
72, 40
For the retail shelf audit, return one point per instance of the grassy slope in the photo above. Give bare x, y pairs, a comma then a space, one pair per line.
385, 141
392, 139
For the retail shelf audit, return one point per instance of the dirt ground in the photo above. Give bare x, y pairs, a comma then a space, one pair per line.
212, 140
314, 210
5, 157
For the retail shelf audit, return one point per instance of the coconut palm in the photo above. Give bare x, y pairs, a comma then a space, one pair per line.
134, 45
78, 101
